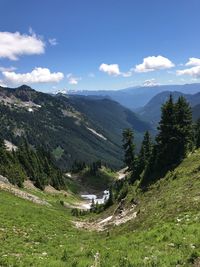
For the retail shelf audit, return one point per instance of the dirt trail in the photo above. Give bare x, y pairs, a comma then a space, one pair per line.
17, 192
124, 216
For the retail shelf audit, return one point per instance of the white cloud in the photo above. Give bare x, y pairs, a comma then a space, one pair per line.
110, 69
53, 41
7, 68
13, 45
114, 70
193, 61
154, 63
128, 73
72, 79
194, 72
150, 83
38, 75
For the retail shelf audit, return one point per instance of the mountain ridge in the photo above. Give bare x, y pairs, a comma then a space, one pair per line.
60, 126
136, 97
152, 110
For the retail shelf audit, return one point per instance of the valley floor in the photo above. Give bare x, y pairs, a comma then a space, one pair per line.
163, 232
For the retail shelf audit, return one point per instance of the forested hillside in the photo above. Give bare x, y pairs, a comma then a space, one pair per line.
108, 117
177, 136
159, 212
152, 110
62, 126
25, 163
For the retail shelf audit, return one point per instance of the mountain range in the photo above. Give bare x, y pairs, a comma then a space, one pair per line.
71, 128
85, 127
152, 110
136, 97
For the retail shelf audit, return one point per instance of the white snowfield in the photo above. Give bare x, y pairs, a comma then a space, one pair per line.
97, 134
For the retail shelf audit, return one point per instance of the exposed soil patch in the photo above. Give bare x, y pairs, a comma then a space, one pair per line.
124, 216
29, 185
17, 192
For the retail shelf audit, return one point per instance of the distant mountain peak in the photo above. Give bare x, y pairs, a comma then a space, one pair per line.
25, 87
61, 92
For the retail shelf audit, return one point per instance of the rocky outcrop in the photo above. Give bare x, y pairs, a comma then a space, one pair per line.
4, 179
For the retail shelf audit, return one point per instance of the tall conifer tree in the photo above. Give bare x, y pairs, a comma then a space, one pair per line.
129, 149
166, 139
184, 129
144, 155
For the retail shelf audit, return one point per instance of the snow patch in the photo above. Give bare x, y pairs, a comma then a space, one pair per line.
97, 134
10, 146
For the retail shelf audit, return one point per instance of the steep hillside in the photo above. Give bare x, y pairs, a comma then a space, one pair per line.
59, 125
163, 232
152, 110
108, 116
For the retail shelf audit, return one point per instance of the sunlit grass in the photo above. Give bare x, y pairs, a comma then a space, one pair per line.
165, 233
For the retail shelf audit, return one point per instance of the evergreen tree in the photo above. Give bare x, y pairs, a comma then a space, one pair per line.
35, 164
167, 137
145, 153
129, 149
174, 140
184, 128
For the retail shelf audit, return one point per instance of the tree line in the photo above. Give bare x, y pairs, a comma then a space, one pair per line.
177, 136
29, 163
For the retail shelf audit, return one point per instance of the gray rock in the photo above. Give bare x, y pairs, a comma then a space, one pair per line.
4, 179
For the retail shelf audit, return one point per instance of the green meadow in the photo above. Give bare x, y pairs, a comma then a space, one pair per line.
164, 233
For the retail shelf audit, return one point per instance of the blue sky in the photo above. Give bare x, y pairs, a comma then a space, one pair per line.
99, 44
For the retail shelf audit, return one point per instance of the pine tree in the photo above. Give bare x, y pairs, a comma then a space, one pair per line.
184, 128
167, 138
129, 148
141, 161
145, 152
174, 140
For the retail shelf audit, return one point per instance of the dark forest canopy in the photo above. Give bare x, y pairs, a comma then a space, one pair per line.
28, 163
177, 136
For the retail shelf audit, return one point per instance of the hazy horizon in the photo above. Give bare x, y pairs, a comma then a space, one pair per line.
90, 45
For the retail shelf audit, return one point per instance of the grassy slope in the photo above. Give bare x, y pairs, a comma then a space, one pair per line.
165, 233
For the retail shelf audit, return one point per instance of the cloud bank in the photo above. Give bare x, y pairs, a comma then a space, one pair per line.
193, 61
110, 69
38, 75
194, 72
153, 63
13, 45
